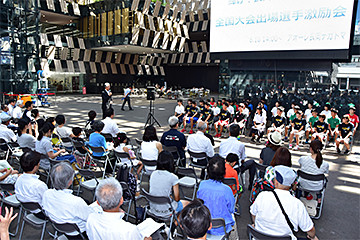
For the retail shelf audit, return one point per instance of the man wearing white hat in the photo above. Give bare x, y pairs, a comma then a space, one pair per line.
106, 96
267, 214
5, 133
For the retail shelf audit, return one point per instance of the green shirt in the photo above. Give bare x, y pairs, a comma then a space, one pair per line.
292, 117
333, 122
312, 120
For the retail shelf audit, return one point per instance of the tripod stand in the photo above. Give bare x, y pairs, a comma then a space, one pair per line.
151, 120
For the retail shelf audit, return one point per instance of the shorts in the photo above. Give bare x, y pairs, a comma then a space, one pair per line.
222, 123
347, 141
181, 118
188, 119
280, 130
321, 135
179, 207
301, 133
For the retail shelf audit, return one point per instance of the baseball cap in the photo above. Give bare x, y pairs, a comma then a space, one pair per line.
19, 102
284, 175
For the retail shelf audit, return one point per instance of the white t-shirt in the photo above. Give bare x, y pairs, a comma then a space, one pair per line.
17, 113
326, 113
161, 184
290, 113
308, 114
26, 140
231, 110
274, 111
120, 149
269, 218
216, 110
149, 151
64, 132
308, 165
180, 109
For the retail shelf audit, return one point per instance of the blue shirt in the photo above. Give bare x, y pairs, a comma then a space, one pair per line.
97, 140
174, 138
220, 200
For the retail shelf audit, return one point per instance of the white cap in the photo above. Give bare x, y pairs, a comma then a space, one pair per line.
4, 118
285, 175
107, 84
19, 102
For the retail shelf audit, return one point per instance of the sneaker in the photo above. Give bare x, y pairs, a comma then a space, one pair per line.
183, 130
217, 135
347, 151
252, 139
238, 138
338, 150
285, 139
122, 109
296, 148
191, 131
307, 141
290, 146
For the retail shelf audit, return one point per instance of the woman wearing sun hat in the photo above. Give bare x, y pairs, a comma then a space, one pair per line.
268, 152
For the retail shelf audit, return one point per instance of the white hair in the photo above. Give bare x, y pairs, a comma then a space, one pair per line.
201, 126
173, 121
61, 175
108, 193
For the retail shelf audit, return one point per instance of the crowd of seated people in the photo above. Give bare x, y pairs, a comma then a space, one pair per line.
215, 199
299, 123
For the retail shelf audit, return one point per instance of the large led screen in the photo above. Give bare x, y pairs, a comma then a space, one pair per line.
280, 25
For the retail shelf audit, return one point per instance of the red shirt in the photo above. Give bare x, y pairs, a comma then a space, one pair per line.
354, 119
232, 173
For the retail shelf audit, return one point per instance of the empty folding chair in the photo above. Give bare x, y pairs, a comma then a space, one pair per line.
31, 219
174, 151
66, 228
217, 223
194, 157
14, 153
230, 182
189, 180
315, 178
257, 235
90, 181
161, 201
12, 202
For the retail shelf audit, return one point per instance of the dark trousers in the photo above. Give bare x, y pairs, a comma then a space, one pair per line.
104, 112
249, 165
127, 99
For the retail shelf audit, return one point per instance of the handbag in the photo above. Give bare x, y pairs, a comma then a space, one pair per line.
284, 213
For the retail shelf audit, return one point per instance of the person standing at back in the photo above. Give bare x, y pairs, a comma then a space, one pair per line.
106, 96
127, 98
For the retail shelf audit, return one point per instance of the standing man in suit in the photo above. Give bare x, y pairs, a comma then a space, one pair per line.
127, 98
106, 96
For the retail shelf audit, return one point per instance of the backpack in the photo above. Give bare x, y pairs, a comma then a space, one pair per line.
259, 186
123, 175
